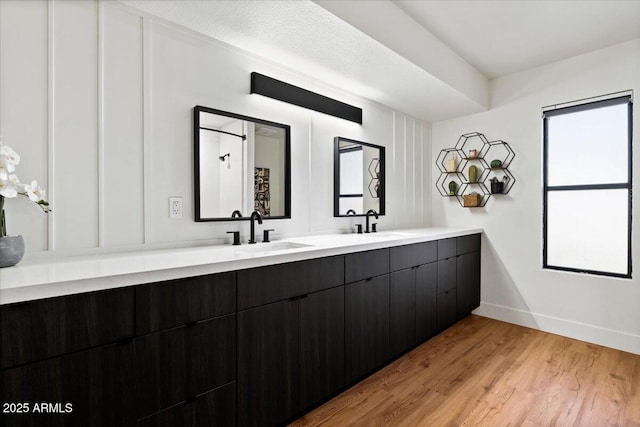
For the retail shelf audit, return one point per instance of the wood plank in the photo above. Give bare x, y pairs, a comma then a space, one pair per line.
482, 372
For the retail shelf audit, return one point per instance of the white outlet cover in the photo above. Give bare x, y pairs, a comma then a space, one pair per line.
175, 207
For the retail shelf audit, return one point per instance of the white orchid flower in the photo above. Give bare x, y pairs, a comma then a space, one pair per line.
34, 192
9, 186
8, 158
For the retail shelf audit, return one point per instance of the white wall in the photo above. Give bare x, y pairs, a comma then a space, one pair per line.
514, 286
98, 101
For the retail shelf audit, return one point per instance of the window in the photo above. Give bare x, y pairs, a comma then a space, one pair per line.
587, 187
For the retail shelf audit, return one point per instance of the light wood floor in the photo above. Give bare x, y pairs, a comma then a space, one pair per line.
482, 372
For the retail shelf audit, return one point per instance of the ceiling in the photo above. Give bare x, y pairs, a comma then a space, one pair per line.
430, 59
504, 37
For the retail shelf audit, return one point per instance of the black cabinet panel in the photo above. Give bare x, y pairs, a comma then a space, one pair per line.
211, 354
366, 326
177, 364
466, 244
215, 408
98, 383
364, 265
468, 283
402, 257
321, 345
446, 275
446, 309
169, 304
426, 302
446, 248
402, 311
40, 329
268, 364
161, 363
263, 285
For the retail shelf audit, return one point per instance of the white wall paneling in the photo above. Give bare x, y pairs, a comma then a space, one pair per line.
23, 109
111, 90
591, 308
75, 132
122, 157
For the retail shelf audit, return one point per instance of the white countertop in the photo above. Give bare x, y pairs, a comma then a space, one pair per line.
56, 275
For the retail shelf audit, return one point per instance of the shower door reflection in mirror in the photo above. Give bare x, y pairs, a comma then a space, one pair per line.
242, 164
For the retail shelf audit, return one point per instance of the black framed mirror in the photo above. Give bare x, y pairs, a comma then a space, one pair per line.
241, 164
358, 178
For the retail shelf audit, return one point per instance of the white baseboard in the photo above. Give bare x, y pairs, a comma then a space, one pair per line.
567, 328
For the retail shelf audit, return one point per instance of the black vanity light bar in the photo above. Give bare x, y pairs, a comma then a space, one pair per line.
276, 89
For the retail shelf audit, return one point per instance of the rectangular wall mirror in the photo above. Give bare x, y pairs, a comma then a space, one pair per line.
359, 178
241, 164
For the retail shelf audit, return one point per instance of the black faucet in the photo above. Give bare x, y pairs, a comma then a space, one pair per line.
255, 215
369, 213
351, 212
236, 214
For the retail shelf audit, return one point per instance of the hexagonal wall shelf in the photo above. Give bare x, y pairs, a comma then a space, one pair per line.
492, 158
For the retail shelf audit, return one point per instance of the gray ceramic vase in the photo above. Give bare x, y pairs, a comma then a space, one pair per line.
11, 250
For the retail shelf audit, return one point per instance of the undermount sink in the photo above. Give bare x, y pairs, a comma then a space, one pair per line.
259, 248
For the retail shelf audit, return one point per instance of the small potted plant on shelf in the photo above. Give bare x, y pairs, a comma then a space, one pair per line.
453, 187
12, 247
497, 186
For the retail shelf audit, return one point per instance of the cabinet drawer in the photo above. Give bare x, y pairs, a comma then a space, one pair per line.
447, 274
263, 285
364, 265
446, 248
178, 364
215, 408
466, 244
98, 383
169, 304
402, 257
40, 329
447, 309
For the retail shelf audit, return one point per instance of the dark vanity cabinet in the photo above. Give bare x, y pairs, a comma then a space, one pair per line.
447, 286
68, 360
367, 312
412, 300
467, 274
290, 338
254, 347
185, 352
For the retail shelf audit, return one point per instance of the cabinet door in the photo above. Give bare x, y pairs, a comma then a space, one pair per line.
40, 329
268, 364
468, 283
180, 363
211, 354
446, 309
426, 302
215, 408
161, 363
321, 345
402, 311
98, 384
366, 326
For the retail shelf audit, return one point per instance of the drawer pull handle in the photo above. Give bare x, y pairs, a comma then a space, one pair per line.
191, 324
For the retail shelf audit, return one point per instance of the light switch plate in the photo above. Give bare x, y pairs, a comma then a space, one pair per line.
175, 207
